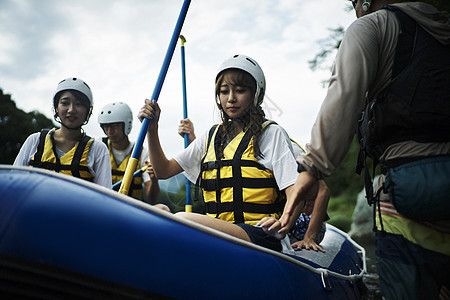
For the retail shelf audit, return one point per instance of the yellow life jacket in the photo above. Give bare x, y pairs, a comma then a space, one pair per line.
237, 188
118, 172
73, 163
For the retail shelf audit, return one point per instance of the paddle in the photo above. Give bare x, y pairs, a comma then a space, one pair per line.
133, 162
188, 206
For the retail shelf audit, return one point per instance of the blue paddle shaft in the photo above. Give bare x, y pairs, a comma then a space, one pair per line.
185, 115
183, 78
157, 90
162, 75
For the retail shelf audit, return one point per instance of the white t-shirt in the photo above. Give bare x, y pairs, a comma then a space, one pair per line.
274, 144
98, 159
119, 156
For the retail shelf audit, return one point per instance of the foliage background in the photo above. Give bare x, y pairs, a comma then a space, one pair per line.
15, 126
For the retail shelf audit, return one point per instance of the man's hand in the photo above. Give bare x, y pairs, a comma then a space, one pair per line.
186, 127
150, 110
150, 171
304, 190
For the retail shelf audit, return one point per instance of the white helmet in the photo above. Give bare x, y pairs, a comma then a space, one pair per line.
249, 65
117, 112
75, 84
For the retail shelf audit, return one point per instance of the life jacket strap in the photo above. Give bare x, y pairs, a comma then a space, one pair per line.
248, 207
214, 185
36, 161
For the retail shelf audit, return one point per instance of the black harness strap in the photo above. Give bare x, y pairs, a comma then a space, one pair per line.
218, 155
405, 43
36, 161
248, 207
199, 178
75, 165
238, 198
213, 185
117, 173
53, 166
211, 165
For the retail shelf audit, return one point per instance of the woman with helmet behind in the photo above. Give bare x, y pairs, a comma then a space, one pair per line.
68, 150
116, 120
247, 164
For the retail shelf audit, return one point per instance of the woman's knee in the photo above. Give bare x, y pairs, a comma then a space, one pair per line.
184, 215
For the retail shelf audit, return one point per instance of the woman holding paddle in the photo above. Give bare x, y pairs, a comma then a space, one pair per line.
248, 164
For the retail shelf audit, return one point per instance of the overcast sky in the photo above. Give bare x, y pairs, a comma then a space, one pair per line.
118, 47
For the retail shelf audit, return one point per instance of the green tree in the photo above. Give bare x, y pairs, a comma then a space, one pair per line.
15, 126
329, 46
345, 185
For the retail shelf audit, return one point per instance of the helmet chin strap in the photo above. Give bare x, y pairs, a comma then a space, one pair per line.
74, 128
237, 120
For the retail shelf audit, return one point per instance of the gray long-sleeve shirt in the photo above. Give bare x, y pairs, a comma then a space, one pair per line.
362, 69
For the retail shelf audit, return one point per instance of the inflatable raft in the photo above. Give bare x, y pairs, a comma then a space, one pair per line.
62, 237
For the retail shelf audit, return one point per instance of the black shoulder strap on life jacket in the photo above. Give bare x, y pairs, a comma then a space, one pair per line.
199, 178
238, 198
36, 161
75, 165
216, 165
405, 40
115, 172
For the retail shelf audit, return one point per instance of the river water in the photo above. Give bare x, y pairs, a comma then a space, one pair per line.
371, 278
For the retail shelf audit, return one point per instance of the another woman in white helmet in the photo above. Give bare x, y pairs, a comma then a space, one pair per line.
248, 160
68, 150
116, 120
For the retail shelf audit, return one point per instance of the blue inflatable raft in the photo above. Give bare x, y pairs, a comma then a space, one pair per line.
61, 237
